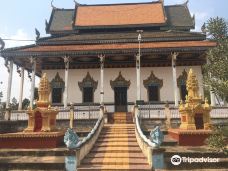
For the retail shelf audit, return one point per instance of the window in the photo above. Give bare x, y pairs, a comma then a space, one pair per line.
57, 88
88, 87
153, 86
87, 94
153, 93
57, 95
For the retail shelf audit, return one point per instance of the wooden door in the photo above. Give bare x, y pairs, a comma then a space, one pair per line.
38, 122
120, 99
199, 121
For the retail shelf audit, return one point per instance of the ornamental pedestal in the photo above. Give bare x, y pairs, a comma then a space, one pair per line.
195, 116
41, 131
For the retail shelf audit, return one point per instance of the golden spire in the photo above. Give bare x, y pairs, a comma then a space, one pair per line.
43, 91
192, 85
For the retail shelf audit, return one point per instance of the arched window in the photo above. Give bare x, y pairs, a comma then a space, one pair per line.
181, 83
88, 87
153, 86
57, 88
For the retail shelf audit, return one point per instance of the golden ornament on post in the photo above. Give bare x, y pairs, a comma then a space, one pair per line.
43, 117
195, 116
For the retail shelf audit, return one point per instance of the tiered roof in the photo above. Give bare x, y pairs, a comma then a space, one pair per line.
89, 30
108, 16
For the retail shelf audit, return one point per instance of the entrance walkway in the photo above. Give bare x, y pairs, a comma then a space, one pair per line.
115, 149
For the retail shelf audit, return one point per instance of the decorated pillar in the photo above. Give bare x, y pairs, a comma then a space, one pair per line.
66, 61
33, 62
174, 57
138, 63
102, 58
9, 65
21, 74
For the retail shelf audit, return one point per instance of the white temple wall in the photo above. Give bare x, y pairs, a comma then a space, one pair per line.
164, 73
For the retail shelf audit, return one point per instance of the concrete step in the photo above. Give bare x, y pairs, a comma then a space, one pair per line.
33, 163
116, 144
114, 167
114, 161
117, 140
115, 155
33, 152
117, 149
117, 136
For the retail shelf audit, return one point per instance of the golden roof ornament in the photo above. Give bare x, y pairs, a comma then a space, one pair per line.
192, 85
43, 92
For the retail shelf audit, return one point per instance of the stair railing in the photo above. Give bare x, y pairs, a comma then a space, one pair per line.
84, 146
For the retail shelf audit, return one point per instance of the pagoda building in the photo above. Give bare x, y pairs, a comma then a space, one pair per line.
114, 54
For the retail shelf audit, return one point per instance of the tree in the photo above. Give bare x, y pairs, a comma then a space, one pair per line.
25, 103
14, 104
216, 70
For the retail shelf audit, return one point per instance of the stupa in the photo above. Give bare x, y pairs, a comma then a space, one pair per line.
41, 131
43, 117
195, 124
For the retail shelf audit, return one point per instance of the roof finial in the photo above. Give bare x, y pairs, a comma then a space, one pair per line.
186, 3
76, 3
46, 24
37, 34
2, 44
203, 28
52, 4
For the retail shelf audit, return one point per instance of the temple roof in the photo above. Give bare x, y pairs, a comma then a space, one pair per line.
152, 15
118, 37
61, 19
119, 15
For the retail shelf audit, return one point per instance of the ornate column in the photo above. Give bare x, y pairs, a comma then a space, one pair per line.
33, 62
174, 57
21, 74
102, 58
9, 65
138, 63
66, 61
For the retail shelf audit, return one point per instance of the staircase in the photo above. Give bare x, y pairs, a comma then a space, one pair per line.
123, 118
116, 149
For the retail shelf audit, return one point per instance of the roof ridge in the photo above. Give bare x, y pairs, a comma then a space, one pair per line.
132, 3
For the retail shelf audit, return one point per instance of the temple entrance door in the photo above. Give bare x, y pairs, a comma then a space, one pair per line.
199, 121
38, 122
120, 99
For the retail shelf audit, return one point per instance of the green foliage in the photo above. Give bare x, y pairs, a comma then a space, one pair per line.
25, 103
217, 28
216, 70
14, 104
36, 96
216, 141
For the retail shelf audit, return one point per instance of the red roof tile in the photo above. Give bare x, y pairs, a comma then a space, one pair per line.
118, 46
124, 14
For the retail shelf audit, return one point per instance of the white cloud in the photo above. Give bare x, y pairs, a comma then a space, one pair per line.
19, 35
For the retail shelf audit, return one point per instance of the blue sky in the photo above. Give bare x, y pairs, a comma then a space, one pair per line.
19, 18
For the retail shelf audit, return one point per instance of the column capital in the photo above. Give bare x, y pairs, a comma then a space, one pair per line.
102, 57
7, 64
32, 60
66, 60
19, 70
174, 55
